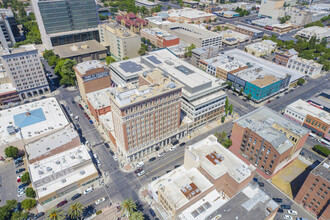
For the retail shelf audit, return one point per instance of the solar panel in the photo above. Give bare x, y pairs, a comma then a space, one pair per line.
130, 67
154, 59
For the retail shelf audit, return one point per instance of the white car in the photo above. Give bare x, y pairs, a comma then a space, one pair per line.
98, 162
21, 190
292, 212
141, 173
161, 154
115, 158
19, 176
90, 189
95, 156
140, 164
20, 194
99, 201
172, 148
289, 217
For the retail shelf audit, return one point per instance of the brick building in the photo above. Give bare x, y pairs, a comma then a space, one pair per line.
314, 192
267, 139
98, 102
159, 37
282, 57
132, 22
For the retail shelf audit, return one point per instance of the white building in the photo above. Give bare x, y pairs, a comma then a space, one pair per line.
25, 70
148, 4
308, 67
318, 32
262, 48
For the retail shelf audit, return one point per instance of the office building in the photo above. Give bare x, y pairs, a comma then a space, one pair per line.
309, 116
121, 41
203, 53
98, 102
25, 70
8, 32
252, 32
267, 139
190, 34
210, 176
132, 22
231, 38
263, 48
282, 57
308, 67
314, 192
147, 4
159, 37
302, 16
91, 76
147, 117
189, 15
82, 51
318, 32
65, 22
26, 123
271, 8
202, 96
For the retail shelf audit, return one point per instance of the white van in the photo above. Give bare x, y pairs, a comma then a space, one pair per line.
312, 135
77, 118
140, 164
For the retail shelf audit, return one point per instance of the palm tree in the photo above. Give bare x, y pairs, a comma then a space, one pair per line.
136, 216
55, 214
128, 207
75, 210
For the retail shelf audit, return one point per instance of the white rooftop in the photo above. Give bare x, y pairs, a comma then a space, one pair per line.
226, 161
100, 98
63, 169
146, 2
7, 87
159, 33
107, 121
263, 46
188, 13
88, 65
32, 119
225, 63
305, 61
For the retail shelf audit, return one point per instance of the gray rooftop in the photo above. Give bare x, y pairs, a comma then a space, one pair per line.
323, 169
249, 28
191, 30
202, 50
7, 12
88, 65
80, 48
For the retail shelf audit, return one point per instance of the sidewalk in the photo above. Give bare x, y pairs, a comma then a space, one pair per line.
110, 213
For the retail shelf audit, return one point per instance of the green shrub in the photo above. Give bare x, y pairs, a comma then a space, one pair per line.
324, 151
98, 212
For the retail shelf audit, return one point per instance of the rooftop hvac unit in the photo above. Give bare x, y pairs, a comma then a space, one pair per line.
63, 180
49, 169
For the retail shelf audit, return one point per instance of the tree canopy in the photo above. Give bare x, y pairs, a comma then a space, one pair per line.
11, 151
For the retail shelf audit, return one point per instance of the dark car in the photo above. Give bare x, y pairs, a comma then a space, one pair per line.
18, 207
285, 207
255, 179
18, 164
138, 170
269, 101
112, 153
277, 199
280, 210
62, 203
152, 159
182, 144
261, 184
168, 171
76, 196
23, 185
20, 170
18, 161
39, 215
80, 106
152, 212
90, 121
177, 166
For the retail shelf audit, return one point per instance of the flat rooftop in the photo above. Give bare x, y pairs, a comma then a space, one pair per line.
88, 65
64, 169
20, 49
305, 61
78, 49
31, 120
160, 33
118, 30
262, 122
146, 2
323, 170
217, 161
305, 108
7, 88
265, 21
257, 76
45, 145
322, 99
100, 98
188, 13
202, 50
249, 28
231, 33
225, 63
261, 47
251, 203
107, 121
274, 69
191, 31
315, 30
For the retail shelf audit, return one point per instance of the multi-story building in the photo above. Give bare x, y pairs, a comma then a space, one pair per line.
282, 57
98, 102
309, 116
308, 67
314, 192
254, 33
203, 53
262, 48
202, 96
91, 76
191, 34
147, 117
121, 41
132, 22
282, 28
8, 93
25, 70
267, 139
66, 21
301, 17
230, 37
318, 32
8, 29
189, 15
271, 8
210, 176
147, 4
159, 37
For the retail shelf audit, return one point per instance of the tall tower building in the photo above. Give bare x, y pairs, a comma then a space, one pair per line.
8, 29
66, 21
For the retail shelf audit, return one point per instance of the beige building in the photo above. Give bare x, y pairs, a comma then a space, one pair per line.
189, 15
318, 32
230, 37
271, 8
262, 48
122, 42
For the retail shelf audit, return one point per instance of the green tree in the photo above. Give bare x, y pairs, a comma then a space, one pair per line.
75, 210
52, 61
223, 119
66, 72
316, 23
226, 105
227, 143
11, 151
28, 204
128, 206
47, 54
141, 51
301, 81
11, 203
30, 192
110, 59
136, 216
229, 84
58, 68
188, 50
126, 58
249, 96
230, 108
26, 177
241, 91
55, 214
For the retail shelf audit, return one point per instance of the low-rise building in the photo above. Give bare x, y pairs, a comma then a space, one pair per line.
309, 116
145, 3
98, 102
190, 34
314, 192
178, 50
189, 15
282, 57
209, 177
282, 28
203, 53
267, 139
308, 67
265, 22
254, 33
82, 51
263, 48
91, 76
321, 100
121, 41
227, 14
231, 38
318, 32
159, 37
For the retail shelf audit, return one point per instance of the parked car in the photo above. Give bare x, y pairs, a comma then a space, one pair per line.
152, 212
172, 148
261, 184
62, 203
89, 190
18, 164
39, 215
277, 199
90, 121
154, 178
115, 158
280, 210
288, 217
152, 159
269, 101
95, 156
80, 106
99, 201
182, 144
140, 164
292, 212
20, 170
285, 206
23, 185
76, 196
161, 154
98, 162
20, 194
255, 179
176, 166
141, 173
18, 159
